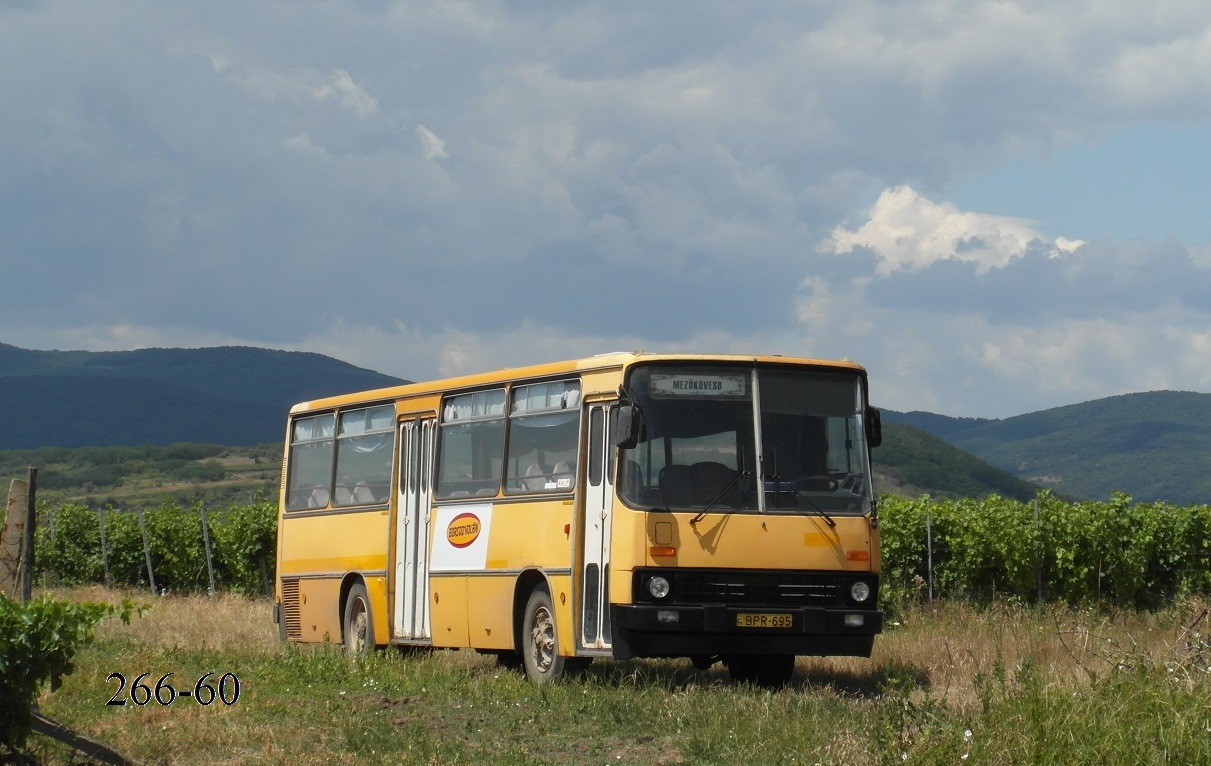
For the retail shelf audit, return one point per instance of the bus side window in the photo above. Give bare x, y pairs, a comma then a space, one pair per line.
471, 451
544, 435
309, 472
364, 444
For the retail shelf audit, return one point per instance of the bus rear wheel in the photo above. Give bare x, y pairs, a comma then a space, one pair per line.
540, 641
358, 623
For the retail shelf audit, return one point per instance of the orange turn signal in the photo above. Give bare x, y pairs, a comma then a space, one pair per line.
858, 555
663, 550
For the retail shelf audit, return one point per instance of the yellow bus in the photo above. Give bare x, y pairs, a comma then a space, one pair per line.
719, 508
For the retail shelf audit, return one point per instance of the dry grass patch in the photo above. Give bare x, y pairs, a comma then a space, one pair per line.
223, 622
948, 648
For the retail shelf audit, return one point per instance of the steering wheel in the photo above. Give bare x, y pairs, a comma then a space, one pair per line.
818, 482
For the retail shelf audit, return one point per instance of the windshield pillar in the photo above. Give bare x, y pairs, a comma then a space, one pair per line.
759, 469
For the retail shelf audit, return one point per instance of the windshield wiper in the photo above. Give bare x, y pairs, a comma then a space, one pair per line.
799, 500
814, 507
726, 488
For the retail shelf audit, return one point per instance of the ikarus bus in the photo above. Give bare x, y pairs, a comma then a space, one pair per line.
719, 508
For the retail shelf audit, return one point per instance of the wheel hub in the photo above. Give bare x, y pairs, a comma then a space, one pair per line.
542, 640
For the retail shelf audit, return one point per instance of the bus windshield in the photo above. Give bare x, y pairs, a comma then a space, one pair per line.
711, 436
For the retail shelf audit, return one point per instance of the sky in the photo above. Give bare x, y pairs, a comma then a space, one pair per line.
996, 207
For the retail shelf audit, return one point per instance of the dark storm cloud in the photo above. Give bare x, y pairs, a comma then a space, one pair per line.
350, 175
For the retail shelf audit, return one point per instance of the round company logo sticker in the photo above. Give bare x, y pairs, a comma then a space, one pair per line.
463, 530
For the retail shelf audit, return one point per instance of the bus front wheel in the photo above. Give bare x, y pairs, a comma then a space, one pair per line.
358, 622
540, 642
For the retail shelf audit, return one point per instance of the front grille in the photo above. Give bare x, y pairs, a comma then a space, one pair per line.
765, 588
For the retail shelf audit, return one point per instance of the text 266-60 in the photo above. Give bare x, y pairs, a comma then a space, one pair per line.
207, 690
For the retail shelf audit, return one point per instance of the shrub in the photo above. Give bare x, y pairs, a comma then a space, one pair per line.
37, 643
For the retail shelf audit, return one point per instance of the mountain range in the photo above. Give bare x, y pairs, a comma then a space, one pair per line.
224, 395
1153, 446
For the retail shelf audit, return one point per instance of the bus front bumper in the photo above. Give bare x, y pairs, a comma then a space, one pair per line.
680, 630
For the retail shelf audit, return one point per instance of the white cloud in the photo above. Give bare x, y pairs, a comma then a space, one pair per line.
303, 144
965, 364
1110, 355
303, 86
409, 351
1065, 245
1014, 323
908, 231
1201, 254
340, 87
432, 147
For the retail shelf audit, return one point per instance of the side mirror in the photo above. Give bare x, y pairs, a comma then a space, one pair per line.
626, 430
874, 427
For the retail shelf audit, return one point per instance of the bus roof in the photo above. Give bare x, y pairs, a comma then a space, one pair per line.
599, 362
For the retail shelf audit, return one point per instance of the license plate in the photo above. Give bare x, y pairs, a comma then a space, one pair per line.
751, 620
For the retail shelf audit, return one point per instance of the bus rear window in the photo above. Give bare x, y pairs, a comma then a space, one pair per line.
311, 449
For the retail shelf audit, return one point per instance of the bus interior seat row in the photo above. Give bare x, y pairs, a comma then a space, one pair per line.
696, 484
680, 485
359, 494
537, 478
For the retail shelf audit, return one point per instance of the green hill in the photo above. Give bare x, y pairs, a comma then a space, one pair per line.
1153, 446
228, 395
912, 462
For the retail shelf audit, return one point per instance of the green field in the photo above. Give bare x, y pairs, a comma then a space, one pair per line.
1000, 684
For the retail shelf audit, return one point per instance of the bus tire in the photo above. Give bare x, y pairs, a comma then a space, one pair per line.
358, 622
540, 641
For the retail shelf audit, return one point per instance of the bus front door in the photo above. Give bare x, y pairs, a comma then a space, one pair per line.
598, 504
411, 602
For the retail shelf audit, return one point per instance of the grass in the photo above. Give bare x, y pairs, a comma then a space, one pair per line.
995, 685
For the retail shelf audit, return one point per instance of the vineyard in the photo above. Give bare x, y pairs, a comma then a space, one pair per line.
1135, 555
169, 548
981, 673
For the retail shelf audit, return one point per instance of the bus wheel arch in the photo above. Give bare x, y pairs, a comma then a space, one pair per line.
527, 581
535, 632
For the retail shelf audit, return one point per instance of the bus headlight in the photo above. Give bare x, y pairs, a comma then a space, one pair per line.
658, 587
859, 591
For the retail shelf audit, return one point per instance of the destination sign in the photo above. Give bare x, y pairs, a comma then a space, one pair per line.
699, 385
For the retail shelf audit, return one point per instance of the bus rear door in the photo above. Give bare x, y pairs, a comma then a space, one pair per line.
411, 602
